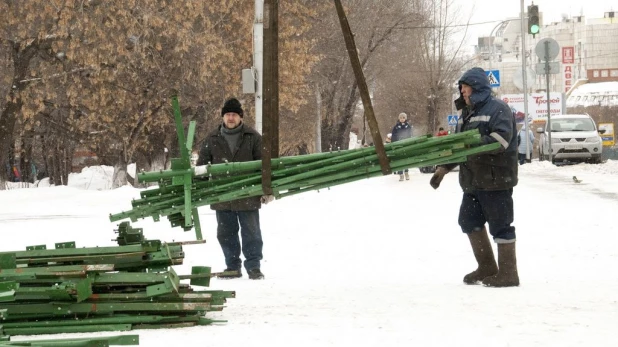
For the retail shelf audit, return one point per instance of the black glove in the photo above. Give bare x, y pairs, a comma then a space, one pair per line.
437, 177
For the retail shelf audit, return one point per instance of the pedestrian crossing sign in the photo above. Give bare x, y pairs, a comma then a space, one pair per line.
494, 77
452, 119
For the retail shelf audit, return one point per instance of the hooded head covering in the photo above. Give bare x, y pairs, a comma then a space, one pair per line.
481, 89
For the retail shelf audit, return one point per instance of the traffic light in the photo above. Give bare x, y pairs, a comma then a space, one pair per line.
533, 20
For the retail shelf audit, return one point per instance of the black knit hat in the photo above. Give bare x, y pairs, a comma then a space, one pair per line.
232, 105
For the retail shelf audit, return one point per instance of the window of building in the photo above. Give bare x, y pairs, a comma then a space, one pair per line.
613, 73
604, 73
595, 73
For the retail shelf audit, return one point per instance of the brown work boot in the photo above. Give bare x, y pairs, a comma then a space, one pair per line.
229, 274
507, 275
484, 257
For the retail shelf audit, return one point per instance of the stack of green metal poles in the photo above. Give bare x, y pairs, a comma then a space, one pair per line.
293, 175
133, 286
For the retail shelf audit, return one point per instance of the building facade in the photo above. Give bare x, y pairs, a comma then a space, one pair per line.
588, 53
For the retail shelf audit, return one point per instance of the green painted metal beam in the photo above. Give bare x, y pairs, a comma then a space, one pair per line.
118, 340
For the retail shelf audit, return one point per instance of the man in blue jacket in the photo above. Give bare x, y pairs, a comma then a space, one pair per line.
487, 181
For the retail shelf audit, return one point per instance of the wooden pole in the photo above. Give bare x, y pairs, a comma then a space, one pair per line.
362, 87
270, 113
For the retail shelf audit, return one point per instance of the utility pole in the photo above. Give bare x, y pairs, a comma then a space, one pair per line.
270, 138
258, 60
318, 121
524, 76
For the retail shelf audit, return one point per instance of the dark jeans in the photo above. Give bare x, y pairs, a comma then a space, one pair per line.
228, 223
522, 158
401, 172
492, 207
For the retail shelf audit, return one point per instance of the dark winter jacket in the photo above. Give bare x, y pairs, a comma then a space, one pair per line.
216, 150
495, 122
401, 131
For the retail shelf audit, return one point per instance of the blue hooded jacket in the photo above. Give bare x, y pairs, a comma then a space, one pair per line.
495, 122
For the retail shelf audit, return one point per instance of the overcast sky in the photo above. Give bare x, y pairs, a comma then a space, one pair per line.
491, 12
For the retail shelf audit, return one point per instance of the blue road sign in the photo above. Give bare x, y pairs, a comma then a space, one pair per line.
494, 77
452, 119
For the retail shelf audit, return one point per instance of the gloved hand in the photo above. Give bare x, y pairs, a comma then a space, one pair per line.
265, 199
437, 177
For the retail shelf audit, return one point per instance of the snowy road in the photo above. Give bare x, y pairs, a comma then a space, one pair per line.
380, 262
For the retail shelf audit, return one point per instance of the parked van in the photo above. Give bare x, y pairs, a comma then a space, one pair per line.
574, 137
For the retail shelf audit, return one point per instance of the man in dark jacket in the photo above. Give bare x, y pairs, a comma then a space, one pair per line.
487, 181
234, 141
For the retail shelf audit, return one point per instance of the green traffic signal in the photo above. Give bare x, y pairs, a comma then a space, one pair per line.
533, 20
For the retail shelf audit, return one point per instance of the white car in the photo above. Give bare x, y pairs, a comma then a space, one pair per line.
574, 137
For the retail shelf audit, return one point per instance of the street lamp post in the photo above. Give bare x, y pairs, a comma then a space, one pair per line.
492, 39
523, 68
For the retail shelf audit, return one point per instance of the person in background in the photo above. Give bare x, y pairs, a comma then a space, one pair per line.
234, 141
402, 130
442, 132
487, 181
521, 148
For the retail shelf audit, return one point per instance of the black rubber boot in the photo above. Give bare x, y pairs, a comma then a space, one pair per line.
507, 275
484, 257
255, 274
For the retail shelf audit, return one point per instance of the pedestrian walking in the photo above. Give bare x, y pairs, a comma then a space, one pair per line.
402, 130
487, 181
522, 146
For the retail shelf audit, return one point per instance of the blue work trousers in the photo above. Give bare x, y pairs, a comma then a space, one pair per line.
492, 207
228, 225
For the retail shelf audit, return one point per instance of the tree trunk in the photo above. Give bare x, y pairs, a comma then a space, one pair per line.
57, 159
158, 161
119, 178
67, 162
7, 125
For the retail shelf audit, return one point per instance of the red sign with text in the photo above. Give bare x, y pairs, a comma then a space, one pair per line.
568, 55
568, 77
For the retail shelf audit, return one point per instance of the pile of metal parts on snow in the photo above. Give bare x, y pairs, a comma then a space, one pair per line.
118, 288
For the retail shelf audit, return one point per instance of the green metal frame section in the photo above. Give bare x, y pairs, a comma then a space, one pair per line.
126, 287
182, 189
95, 341
183, 164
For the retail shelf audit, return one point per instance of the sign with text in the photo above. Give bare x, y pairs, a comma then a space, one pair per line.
568, 55
608, 135
537, 106
567, 74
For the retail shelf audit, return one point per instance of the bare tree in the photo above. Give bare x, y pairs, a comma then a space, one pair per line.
376, 27
442, 58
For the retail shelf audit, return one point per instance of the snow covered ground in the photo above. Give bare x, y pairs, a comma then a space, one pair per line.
376, 262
